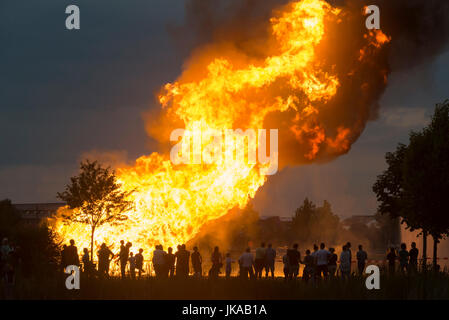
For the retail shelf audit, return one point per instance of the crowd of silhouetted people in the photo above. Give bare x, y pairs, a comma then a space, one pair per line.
320, 263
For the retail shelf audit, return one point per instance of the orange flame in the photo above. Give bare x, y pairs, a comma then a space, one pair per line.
173, 202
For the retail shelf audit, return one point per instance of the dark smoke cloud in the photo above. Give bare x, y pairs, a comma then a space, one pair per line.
420, 28
219, 20
419, 31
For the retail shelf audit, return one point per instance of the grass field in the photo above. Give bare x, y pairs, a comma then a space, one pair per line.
421, 286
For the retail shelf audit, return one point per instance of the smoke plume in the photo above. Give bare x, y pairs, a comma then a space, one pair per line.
418, 31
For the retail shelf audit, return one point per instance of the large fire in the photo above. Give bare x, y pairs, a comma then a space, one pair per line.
233, 90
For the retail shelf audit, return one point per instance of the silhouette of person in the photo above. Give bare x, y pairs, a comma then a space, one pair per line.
132, 265
391, 257
159, 261
64, 257
403, 256
270, 257
197, 262
286, 266
123, 256
122, 245
182, 262
362, 256
105, 256
294, 258
139, 262
217, 263
308, 268
86, 262
332, 264
345, 262
72, 254
177, 255
259, 262
228, 267
322, 259
413, 258
170, 260
348, 246
247, 261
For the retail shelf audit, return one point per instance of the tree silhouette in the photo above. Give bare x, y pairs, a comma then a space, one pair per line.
312, 223
303, 219
416, 183
95, 198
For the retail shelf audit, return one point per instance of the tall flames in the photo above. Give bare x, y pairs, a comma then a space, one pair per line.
224, 88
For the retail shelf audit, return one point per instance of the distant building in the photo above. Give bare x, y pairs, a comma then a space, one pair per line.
367, 220
280, 218
34, 213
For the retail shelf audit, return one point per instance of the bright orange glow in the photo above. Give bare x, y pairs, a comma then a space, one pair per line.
173, 202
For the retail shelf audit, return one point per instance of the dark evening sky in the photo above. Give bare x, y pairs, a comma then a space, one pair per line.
68, 93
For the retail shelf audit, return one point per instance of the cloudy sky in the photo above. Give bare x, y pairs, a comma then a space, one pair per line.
66, 94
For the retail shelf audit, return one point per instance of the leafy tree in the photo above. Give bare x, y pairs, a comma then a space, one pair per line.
95, 197
312, 223
388, 227
327, 223
426, 176
303, 219
416, 183
37, 250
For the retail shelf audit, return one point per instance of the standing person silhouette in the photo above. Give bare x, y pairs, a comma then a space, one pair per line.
294, 258
123, 256
246, 262
322, 259
105, 256
403, 256
345, 263
391, 257
229, 262
286, 266
170, 260
72, 254
362, 256
348, 246
87, 266
132, 265
270, 257
197, 262
413, 258
217, 263
182, 262
139, 263
177, 258
332, 264
308, 268
159, 261
259, 262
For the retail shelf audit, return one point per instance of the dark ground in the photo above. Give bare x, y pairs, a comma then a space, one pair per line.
421, 286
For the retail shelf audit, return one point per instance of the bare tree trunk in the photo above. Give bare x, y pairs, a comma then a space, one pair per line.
424, 250
435, 248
